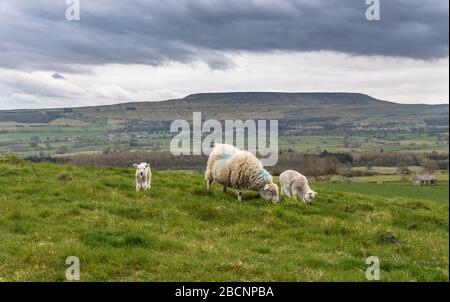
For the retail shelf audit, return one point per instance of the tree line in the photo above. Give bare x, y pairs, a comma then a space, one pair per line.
315, 165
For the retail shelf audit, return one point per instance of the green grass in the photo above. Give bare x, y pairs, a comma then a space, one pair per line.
391, 174
179, 232
387, 170
394, 190
335, 143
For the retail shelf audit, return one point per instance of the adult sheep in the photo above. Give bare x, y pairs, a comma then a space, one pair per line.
240, 170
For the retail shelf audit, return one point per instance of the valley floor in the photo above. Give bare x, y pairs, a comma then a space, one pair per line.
437, 193
179, 232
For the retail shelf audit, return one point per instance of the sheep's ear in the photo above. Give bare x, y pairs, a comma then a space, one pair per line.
135, 165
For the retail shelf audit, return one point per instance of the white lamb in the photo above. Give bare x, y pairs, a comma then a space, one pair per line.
296, 184
240, 170
143, 176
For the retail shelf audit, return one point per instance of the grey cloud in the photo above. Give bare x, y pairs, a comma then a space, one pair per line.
35, 34
58, 76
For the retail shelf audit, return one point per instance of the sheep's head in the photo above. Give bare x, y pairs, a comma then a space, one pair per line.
270, 193
310, 196
141, 169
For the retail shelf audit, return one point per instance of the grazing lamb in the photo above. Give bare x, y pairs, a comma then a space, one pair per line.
296, 184
240, 170
143, 176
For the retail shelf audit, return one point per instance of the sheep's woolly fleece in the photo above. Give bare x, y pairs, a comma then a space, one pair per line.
237, 169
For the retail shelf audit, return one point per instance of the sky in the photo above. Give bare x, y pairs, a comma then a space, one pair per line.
144, 50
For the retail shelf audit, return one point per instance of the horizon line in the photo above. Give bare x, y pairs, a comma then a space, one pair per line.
224, 92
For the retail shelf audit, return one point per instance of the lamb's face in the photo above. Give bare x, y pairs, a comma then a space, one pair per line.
270, 193
310, 196
141, 170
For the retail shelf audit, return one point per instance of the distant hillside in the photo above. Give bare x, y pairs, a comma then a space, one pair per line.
356, 108
307, 122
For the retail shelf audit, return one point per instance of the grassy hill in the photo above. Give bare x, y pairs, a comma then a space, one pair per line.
332, 121
179, 232
311, 108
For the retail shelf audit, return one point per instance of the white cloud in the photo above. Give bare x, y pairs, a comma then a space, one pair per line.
393, 79
18, 100
113, 92
117, 93
39, 83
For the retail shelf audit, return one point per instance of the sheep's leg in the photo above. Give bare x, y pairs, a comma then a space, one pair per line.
302, 197
138, 186
282, 190
208, 177
224, 189
286, 192
239, 195
296, 194
208, 184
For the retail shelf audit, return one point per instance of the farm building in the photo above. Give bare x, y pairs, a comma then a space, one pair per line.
424, 180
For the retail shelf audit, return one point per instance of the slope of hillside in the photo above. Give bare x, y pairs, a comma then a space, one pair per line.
179, 232
307, 121
251, 105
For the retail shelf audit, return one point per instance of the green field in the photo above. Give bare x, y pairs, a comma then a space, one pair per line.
393, 190
179, 232
29, 140
406, 142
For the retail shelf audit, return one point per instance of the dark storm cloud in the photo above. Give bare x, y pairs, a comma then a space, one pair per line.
34, 34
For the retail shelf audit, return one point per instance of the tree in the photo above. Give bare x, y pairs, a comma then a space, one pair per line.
404, 172
429, 166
